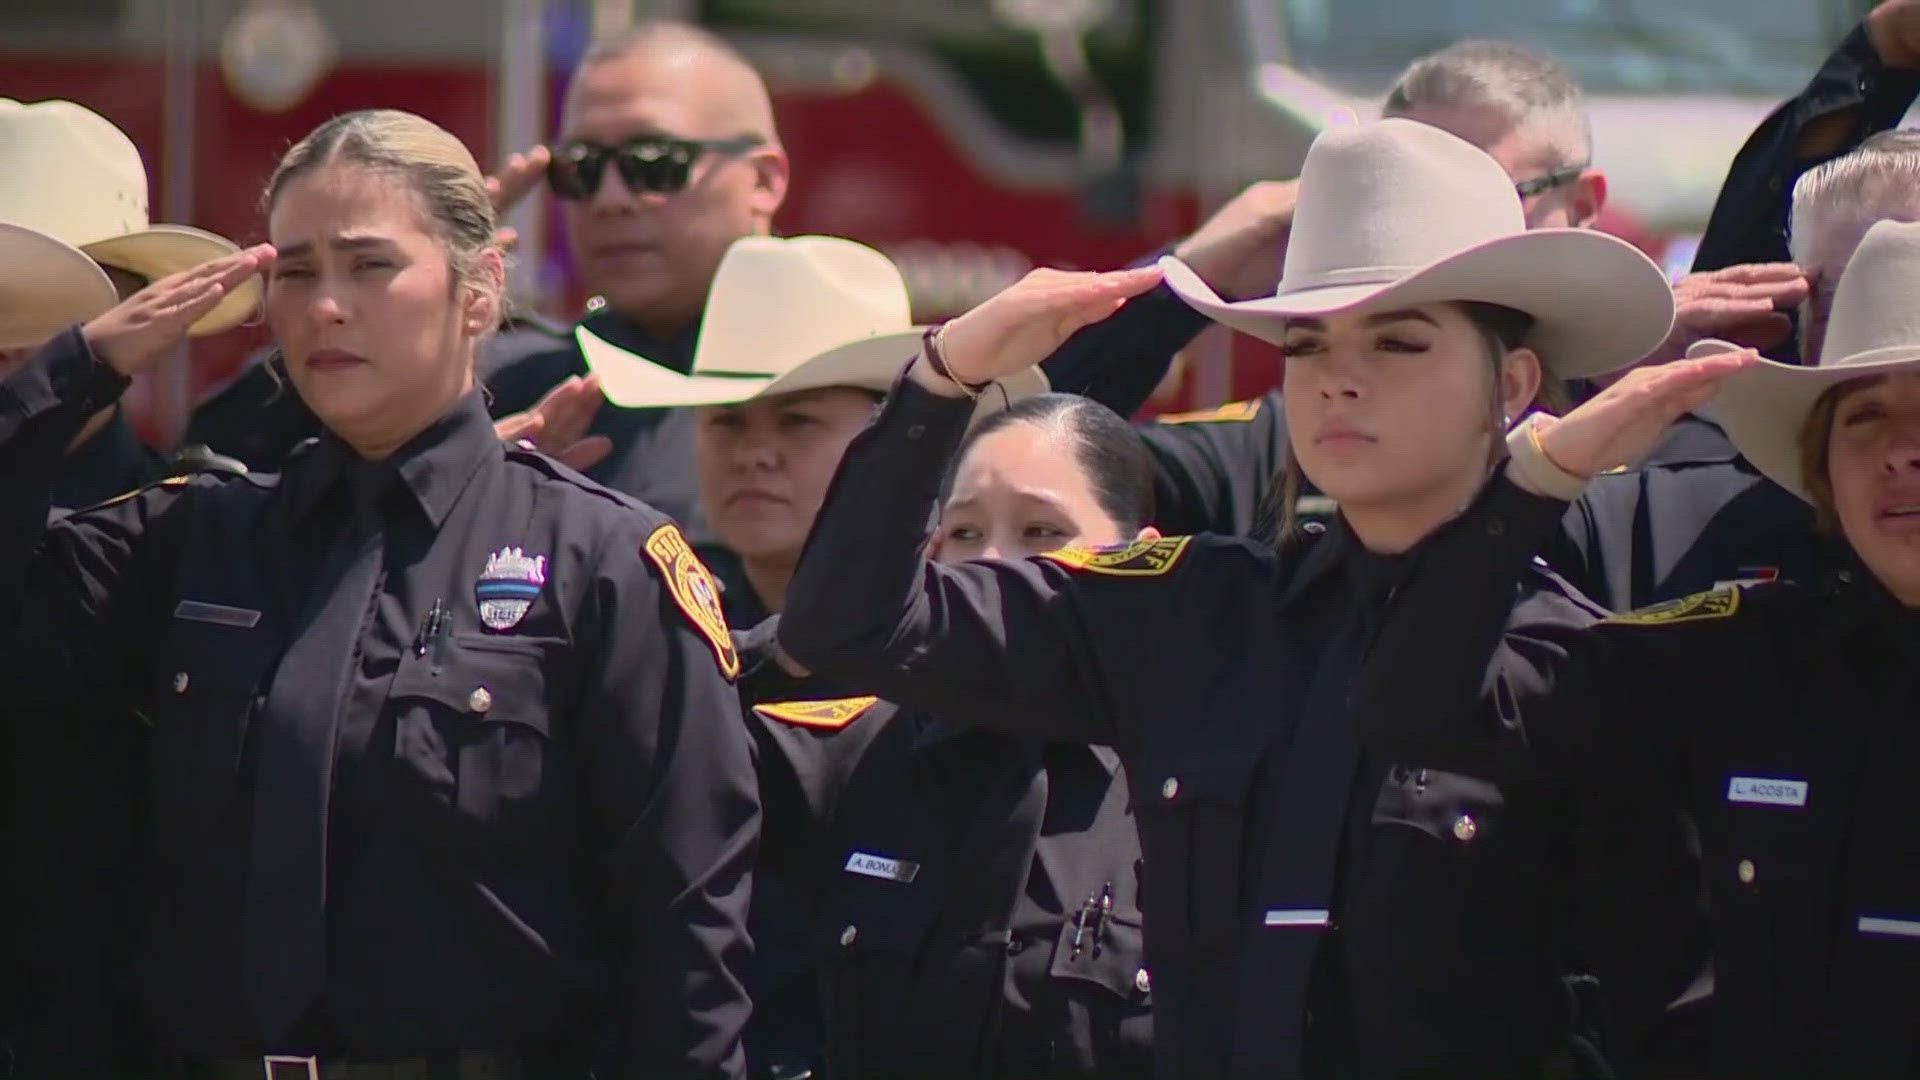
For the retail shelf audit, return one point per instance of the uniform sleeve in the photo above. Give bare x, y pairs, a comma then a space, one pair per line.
1121, 359
670, 773
988, 644
1213, 476
1852, 96
81, 584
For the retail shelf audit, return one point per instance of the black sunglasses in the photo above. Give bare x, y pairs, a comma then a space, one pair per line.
657, 164
1557, 178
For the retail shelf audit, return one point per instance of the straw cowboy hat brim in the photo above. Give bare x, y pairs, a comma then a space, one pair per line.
1597, 302
872, 363
162, 250
47, 285
1764, 407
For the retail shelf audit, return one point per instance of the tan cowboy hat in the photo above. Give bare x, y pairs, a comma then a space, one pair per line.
786, 315
1397, 213
1874, 329
73, 195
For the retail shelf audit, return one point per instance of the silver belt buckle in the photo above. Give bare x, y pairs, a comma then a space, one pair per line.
309, 1067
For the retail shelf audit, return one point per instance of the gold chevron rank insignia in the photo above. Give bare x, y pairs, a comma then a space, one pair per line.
831, 715
1232, 410
1142, 558
1718, 604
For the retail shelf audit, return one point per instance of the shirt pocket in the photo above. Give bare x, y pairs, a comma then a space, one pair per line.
473, 738
203, 686
1192, 824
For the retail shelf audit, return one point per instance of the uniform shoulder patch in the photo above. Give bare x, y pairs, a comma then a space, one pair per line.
1717, 604
831, 715
1232, 410
1142, 558
693, 588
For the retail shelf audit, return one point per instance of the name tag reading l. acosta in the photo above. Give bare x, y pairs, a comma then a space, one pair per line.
1767, 791
880, 866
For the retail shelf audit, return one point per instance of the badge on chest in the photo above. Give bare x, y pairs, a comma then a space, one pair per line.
508, 586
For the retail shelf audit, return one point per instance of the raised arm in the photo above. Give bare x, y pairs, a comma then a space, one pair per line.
981, 643
78, 589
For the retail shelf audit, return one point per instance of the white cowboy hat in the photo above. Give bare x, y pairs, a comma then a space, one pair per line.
1874, 329
1397, 213
786, 315
73, 195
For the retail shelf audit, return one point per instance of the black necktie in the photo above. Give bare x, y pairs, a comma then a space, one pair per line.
296, 729
1306, 812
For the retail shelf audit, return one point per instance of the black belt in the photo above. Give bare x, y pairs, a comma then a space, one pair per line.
459, 1065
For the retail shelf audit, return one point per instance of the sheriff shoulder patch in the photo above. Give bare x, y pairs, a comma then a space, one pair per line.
1718, 604
693, 588
831, 715
1232, 410
1142, 558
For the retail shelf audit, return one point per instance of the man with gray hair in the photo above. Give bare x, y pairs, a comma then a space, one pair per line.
1525, 110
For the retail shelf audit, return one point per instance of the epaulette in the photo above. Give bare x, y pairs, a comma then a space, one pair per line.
1232, 410
1714, 604
831, 715
200, 458
554, 470
1142, 558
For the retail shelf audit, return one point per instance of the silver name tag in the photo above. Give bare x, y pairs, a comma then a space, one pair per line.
1767, 791
218, 614
1296, 917
1874, 924
880, 866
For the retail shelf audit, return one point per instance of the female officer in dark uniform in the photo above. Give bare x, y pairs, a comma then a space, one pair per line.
1323, 899
976, 895
1781, 715
445, 778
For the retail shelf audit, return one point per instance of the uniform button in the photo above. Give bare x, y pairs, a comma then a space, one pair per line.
1142, 981
1016, 946
1314, 528
180, 682
1745, 870
480, 700
847, 936
1170, 789
1465, 828
1496, 527
916, 430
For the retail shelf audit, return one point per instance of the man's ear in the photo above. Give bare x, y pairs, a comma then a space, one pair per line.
770, 175
1589, 198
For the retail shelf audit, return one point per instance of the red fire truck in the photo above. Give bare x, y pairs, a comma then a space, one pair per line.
970, 139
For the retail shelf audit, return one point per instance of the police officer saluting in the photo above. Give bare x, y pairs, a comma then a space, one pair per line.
445, 769
1324, 898
931, 901
1781, 714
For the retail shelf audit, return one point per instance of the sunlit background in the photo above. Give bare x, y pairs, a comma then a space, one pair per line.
970, 139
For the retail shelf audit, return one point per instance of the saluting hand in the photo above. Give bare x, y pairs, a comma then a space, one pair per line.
144, 326
1023, 324
1623, 422
557, 425
519, 176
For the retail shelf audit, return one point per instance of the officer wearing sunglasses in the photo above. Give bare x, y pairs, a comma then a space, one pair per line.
647, 164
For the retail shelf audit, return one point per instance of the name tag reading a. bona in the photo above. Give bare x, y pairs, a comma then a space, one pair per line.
1767, 791
880, 866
